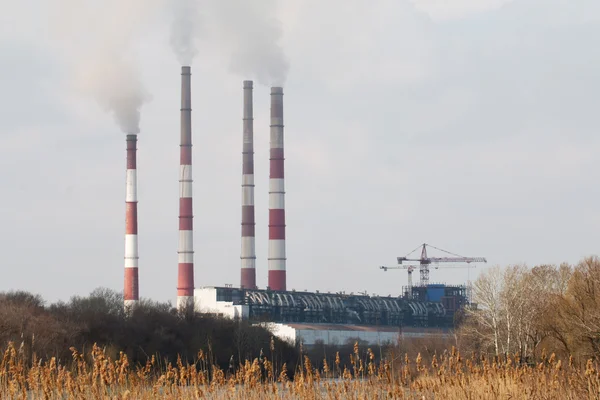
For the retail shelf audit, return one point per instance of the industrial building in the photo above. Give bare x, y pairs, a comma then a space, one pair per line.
335, 317
296, 316
327, 308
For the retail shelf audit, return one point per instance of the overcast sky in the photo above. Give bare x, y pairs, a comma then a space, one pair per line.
471, 126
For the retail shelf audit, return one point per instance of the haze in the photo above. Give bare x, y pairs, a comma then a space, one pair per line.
471, 127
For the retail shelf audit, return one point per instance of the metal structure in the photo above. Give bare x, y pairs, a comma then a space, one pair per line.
425, 261
131, 284
248, 251
452, 298
335, 308
277, 258
185, 251
411, 268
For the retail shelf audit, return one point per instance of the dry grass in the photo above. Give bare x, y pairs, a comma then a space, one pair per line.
449, 376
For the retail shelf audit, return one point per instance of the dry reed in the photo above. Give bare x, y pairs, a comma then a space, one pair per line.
448, 376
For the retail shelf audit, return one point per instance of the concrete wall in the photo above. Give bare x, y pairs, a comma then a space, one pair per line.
331, 336
310, 337
341, 337
282, 331
205, 301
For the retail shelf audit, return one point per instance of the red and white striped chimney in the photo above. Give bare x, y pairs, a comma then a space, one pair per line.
276, 195
248, 254
131, 285
185, 280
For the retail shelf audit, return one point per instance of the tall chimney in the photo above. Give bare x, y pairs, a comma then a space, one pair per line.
276, 195
131, 285
248, 254
185, 280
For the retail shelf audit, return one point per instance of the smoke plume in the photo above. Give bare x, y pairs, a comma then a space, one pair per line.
253, 34
248, 31
115, 85
185, 29
96, 38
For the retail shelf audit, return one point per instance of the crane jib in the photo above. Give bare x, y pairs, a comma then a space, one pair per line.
424, 261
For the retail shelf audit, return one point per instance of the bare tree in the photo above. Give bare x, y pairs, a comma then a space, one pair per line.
519, 308
487, 293
510, 301
515, 300
547, 285
578, 309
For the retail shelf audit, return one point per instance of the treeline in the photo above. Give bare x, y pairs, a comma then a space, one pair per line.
533, 312
520, 312
153, 329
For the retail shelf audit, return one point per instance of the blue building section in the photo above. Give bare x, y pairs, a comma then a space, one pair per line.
435, 292
452, 298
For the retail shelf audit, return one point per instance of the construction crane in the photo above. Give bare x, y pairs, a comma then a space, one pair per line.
425, 262
411, 268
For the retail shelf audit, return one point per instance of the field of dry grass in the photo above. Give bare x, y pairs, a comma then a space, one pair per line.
449, 376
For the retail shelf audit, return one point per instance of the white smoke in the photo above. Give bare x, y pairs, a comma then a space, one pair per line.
247, 31
116, 86
185, 28
251, 32
96, 38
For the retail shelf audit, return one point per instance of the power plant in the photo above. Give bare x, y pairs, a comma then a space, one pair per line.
420, 310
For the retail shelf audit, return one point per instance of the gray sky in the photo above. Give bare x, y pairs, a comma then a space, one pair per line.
470, 127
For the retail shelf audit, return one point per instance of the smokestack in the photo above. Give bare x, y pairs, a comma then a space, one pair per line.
131, 286
248, 254
276, 195
185, 280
